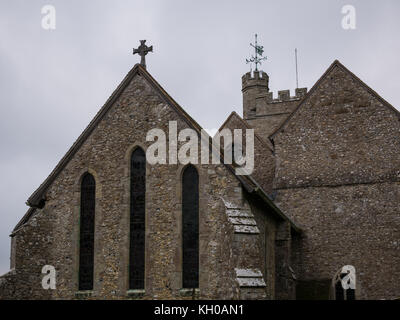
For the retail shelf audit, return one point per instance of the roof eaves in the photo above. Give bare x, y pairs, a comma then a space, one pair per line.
24, 219
264, 196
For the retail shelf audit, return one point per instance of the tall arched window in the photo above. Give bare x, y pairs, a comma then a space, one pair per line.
137, 220
86, 244
190, 228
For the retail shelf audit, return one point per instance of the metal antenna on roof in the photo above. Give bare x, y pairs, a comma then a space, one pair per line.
297, 73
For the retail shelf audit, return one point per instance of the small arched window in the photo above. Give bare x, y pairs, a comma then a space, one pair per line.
86, 243
137, 220
190, 228
345, 291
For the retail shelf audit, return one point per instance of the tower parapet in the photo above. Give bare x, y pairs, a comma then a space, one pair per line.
253, 85
266, 104
261, 109
267, 112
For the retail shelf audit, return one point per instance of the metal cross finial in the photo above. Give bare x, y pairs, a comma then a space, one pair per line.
142, 51
259, 50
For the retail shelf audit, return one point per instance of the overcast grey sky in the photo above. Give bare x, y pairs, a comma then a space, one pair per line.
52, 82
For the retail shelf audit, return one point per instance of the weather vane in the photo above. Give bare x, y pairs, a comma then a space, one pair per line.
257, 58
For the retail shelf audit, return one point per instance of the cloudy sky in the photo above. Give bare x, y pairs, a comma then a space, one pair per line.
52, 82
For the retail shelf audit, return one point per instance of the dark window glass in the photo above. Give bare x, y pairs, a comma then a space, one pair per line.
350, 294
339, 291
86, 252
190, 228
137, 220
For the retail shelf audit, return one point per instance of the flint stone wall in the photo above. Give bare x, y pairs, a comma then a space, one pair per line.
52, 235
337, 174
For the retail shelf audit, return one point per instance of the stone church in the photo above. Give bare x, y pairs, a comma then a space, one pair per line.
324, 194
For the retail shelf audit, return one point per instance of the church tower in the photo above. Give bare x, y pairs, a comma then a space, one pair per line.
253, 86
261, 111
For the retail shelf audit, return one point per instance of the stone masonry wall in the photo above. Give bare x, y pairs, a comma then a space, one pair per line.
341, 135
266, 243
270, 113
266, 125
349, 225
253, 85
337, 174
52, 236
264, 162
33, 250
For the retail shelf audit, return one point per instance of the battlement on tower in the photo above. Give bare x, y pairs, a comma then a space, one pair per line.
283, 95
254, 84
262, 110
258, 101
266, 104
256, 78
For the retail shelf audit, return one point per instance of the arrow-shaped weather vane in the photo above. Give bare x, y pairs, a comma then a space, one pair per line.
257, 58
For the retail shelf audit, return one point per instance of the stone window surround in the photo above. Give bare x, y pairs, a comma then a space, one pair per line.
178, 216
124, 278
76, 236
176, 278
332, 292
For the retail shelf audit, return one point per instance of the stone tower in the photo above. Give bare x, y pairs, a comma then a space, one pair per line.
264, 113
252, 87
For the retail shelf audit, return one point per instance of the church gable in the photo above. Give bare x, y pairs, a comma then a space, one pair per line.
341, 133
264, 162
104, 152
137, 90
138, 105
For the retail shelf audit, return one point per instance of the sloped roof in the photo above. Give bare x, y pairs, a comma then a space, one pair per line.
267, 144
25, 218
36, 199
257, 189
335, 64
37, 196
